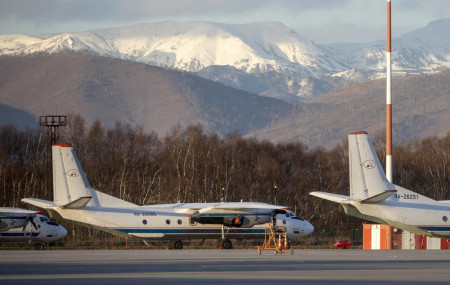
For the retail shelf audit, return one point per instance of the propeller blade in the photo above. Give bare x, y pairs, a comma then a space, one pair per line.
33, 223
30, 220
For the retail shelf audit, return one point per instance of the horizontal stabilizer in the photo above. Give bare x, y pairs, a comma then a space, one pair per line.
44, 204
379, 197
78, 203
6, 210
331, 197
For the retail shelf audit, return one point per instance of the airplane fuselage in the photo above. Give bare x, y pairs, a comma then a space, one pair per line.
430, 219
74, 199
168, 223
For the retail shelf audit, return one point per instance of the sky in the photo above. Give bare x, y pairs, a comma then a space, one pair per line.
322, 21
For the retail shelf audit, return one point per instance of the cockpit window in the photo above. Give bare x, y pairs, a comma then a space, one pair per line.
289, 214
294, 217
297, 218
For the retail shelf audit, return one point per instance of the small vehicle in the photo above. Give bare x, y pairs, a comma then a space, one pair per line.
343, 244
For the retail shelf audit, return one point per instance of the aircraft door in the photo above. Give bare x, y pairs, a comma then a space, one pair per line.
284, 220
288, 223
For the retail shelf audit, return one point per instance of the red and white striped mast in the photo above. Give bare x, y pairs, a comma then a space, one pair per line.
388, 98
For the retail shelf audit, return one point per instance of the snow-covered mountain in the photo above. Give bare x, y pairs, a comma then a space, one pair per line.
190, 46
265, 58
420, 51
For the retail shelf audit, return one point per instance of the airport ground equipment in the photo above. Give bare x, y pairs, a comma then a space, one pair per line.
275, 238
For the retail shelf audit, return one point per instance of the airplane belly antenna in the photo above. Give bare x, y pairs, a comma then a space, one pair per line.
388, 98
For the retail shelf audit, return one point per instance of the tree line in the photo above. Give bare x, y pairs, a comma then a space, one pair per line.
191, 164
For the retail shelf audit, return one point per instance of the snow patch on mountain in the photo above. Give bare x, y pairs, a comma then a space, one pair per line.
15, 43
192, 46
269, 58
420, 51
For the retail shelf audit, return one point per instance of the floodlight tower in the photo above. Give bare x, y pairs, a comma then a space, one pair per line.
53, 122
388, 98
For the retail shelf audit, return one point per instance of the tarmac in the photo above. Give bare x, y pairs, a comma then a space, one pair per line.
224, 267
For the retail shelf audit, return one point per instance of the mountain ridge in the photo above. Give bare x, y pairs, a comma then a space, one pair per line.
113, 90
421, 108
269, 54
158, 99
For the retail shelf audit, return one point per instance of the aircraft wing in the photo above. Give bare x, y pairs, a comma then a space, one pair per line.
246, 206
331, 197
228, 207
236, 214
15, 218
242, 206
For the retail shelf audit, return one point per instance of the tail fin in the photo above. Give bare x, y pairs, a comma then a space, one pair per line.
368, 182
367, 178
71, 188
69, 179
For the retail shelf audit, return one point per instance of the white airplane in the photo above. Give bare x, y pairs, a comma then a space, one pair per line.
20, 225
374, 198
75, 200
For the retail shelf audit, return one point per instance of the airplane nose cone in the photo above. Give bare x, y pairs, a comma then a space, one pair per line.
62, 232
309, 228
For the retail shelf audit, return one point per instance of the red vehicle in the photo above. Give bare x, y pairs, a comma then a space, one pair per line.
343, 244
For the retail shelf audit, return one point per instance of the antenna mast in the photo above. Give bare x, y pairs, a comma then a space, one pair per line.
388, 98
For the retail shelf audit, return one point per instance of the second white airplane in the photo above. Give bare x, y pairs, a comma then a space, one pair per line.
75, 200
374, 198
20, 225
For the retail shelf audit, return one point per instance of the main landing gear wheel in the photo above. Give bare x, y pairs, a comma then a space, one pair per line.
176, 244
39, 246
226, 244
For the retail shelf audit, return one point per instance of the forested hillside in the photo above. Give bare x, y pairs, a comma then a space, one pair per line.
420, 108
113, 90
191, 165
